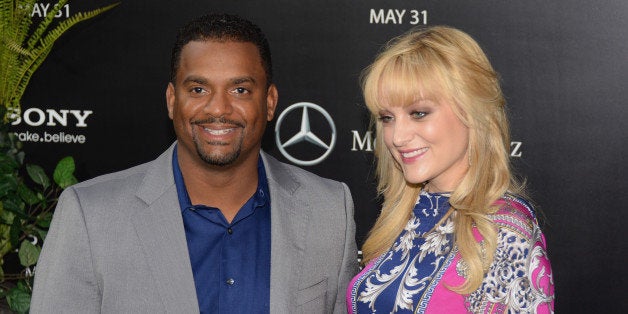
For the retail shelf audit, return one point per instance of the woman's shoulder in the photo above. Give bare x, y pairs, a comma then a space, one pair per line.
516, 214
520, 276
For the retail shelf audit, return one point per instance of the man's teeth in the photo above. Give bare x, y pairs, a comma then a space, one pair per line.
414, 153
218, 132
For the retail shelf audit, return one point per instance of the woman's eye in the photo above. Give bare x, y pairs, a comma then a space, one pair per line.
418, 114
385, 119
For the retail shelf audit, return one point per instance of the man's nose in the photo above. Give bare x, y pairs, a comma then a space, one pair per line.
218, 105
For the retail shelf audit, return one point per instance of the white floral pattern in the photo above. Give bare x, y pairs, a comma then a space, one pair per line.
404, 264
519, 279
520, 270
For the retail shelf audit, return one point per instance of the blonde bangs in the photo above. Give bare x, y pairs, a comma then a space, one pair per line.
404, 78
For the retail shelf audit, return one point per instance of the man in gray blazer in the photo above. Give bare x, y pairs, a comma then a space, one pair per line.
214, 224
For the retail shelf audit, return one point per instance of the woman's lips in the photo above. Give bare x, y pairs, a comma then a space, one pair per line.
411, 155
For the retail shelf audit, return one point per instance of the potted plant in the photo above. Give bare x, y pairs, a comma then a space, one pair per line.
27, 194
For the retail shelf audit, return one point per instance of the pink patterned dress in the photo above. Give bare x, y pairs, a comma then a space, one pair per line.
412, 277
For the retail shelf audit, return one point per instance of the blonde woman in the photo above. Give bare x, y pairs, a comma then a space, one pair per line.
453, 235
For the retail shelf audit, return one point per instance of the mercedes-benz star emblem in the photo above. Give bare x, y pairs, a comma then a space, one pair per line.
305, 134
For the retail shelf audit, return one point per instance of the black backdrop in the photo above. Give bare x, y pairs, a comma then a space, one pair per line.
563, 66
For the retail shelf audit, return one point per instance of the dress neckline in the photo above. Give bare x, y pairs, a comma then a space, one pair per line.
429, 210
427, 193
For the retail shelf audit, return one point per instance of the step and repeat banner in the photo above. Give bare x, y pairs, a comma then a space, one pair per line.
100, 97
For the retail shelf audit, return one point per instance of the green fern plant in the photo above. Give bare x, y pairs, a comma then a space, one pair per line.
24, 45
27, 195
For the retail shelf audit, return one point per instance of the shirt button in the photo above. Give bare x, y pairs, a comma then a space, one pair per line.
229, 230
230, 281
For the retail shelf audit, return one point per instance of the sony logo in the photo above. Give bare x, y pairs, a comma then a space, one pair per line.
51, 117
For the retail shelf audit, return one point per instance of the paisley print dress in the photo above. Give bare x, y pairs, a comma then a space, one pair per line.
414, 275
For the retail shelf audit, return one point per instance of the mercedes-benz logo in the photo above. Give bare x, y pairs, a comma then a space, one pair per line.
305, 134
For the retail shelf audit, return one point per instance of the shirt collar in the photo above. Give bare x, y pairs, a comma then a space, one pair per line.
260, 198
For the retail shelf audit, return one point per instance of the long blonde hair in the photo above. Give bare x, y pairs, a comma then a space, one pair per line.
447, 64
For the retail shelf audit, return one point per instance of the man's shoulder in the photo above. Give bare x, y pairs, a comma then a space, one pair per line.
127, 175
300, 175
130, 178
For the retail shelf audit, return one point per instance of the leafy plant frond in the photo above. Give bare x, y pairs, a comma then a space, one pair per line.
16, 47
22, 15
14, 24
53, 35
24, 47
26, 72
43, 26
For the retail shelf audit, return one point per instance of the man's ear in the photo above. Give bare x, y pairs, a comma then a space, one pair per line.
272, 97
170, 99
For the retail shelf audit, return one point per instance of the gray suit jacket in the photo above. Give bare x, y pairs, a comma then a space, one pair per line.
117, 245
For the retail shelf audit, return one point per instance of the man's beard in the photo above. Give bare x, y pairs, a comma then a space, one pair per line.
219, 159
214, 158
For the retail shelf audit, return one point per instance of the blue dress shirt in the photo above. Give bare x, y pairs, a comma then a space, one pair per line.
230, 261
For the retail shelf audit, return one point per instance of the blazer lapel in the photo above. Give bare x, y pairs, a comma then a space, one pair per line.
288, 227
160, 229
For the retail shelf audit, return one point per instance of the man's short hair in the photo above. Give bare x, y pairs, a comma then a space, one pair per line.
221, 27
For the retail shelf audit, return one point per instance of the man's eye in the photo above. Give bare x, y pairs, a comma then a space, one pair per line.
240, 90
197, 90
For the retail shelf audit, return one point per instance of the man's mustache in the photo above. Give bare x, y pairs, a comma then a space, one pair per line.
219, 120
